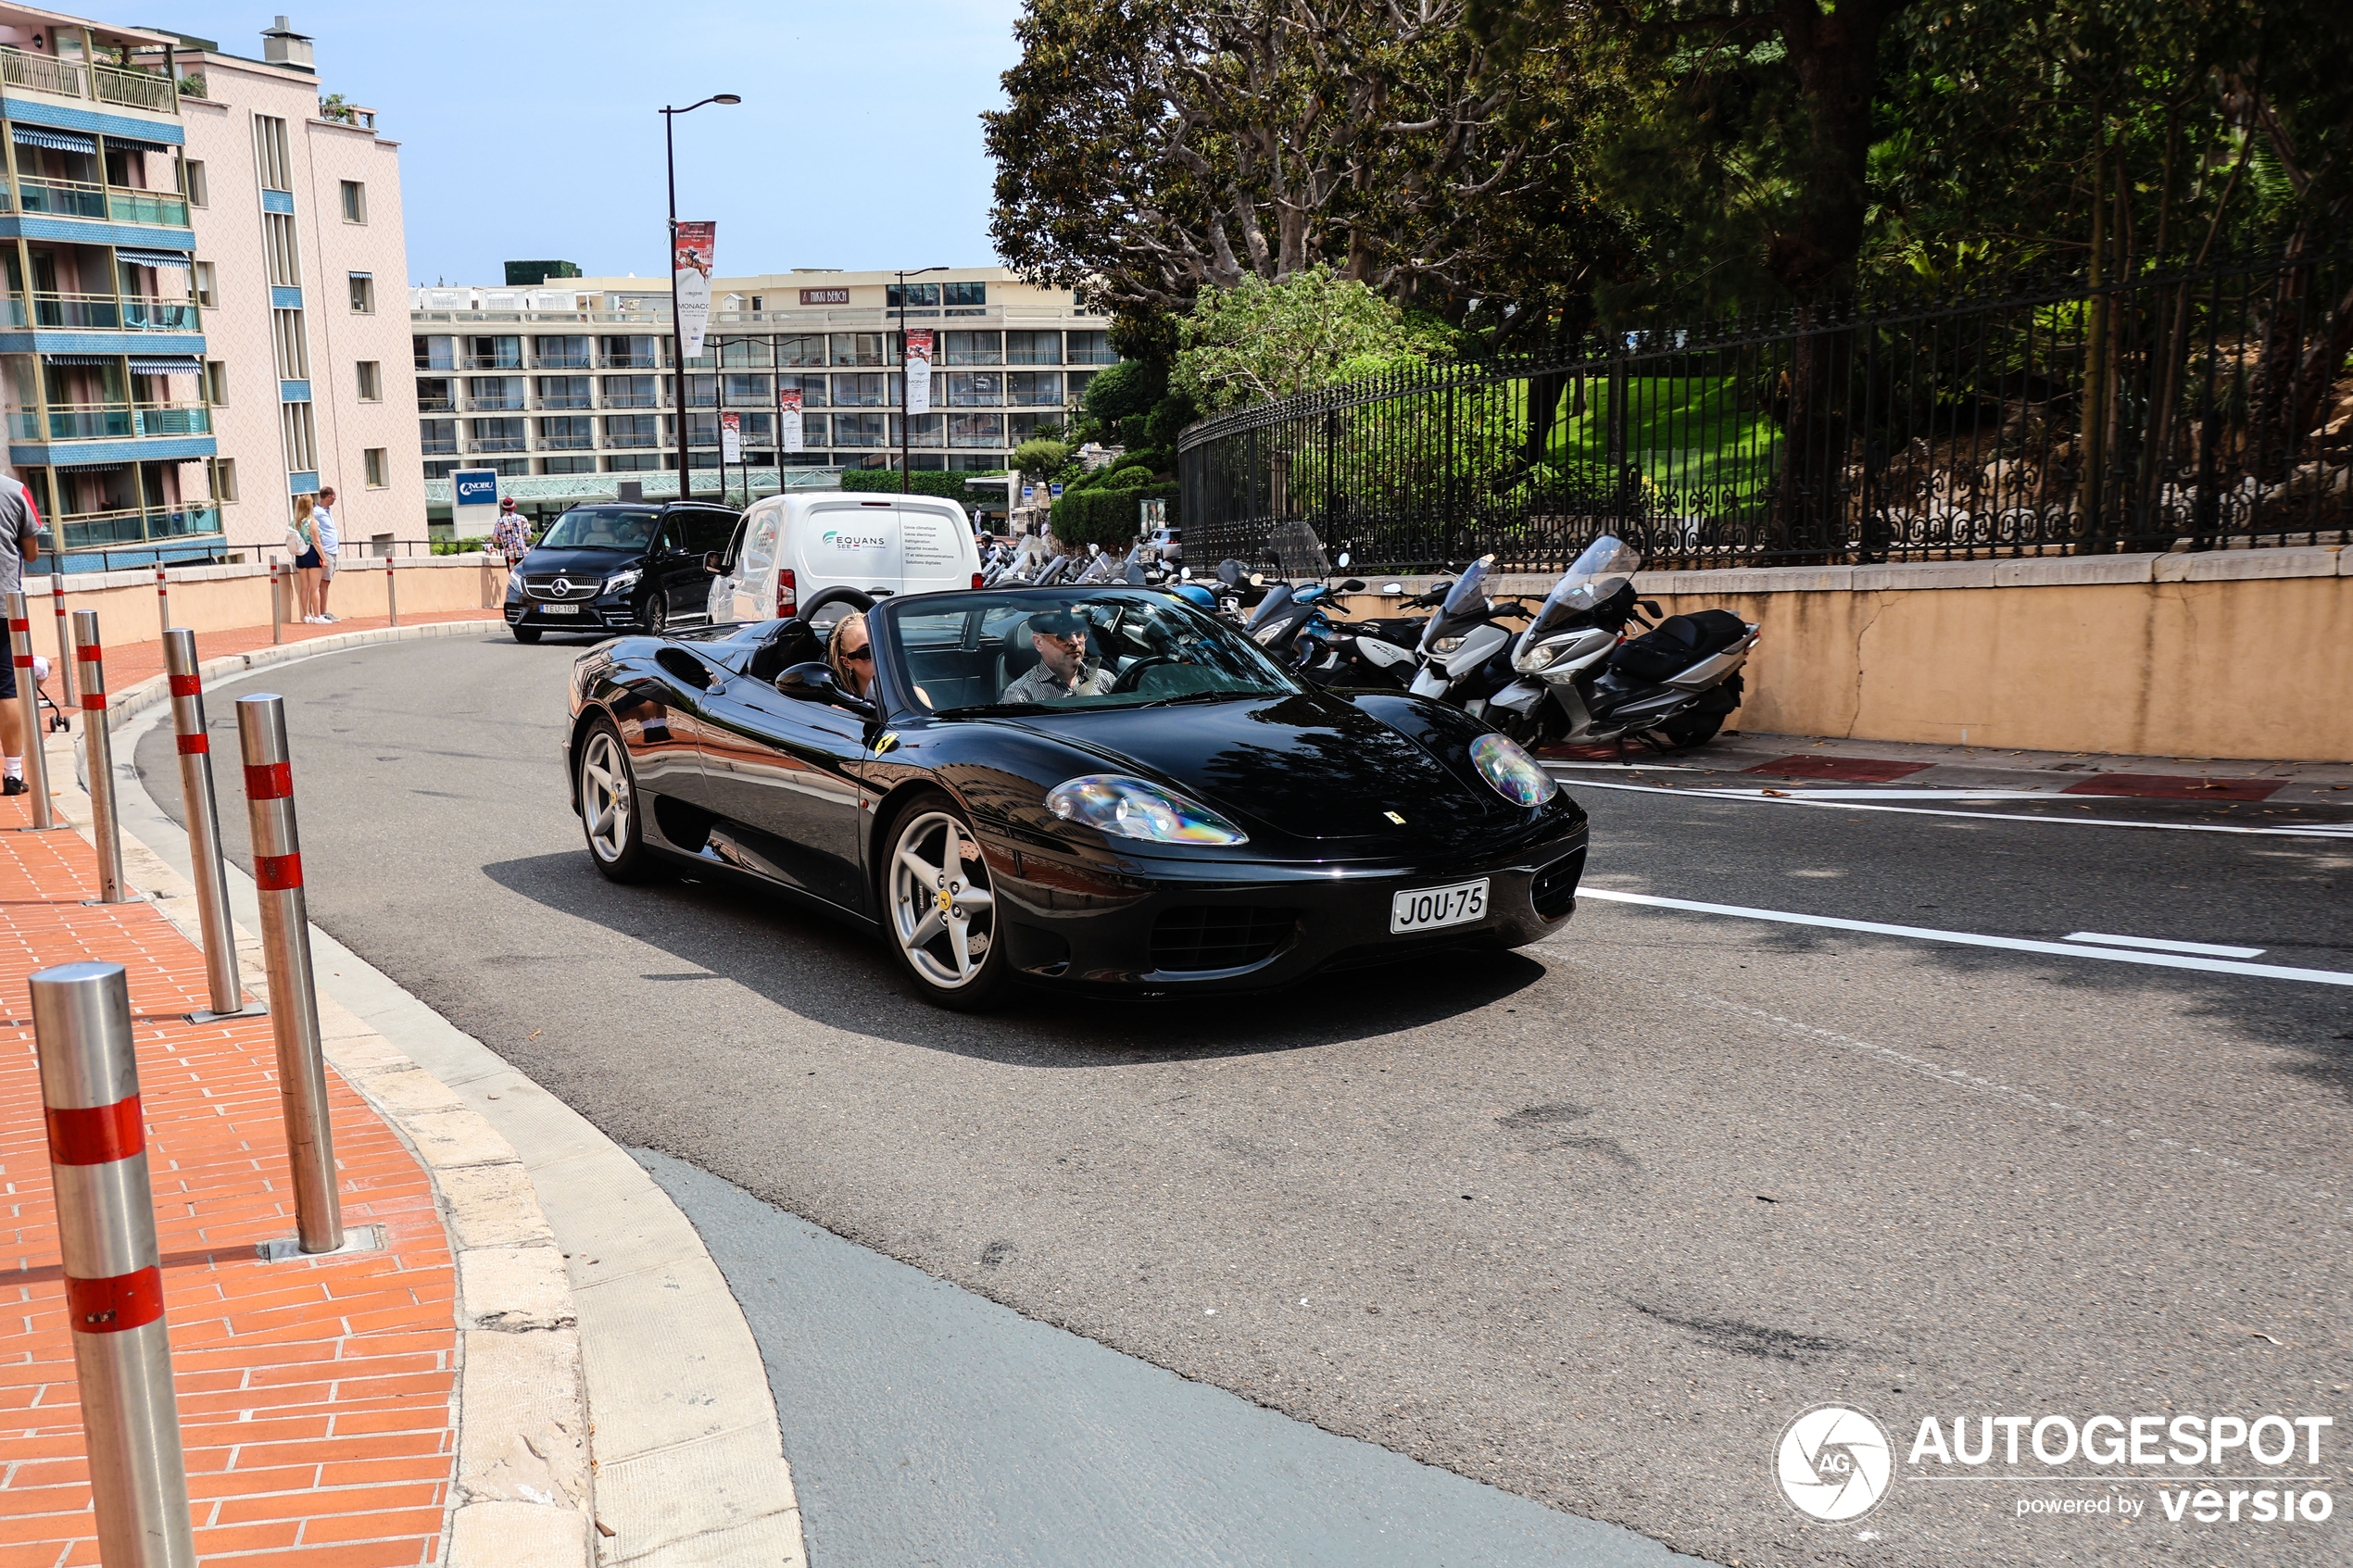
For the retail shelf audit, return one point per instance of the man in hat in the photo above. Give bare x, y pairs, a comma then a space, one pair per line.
1062, 670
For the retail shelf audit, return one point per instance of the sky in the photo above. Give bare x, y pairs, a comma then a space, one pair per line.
530, 131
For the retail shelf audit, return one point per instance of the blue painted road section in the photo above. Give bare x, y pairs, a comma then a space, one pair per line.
928, 1427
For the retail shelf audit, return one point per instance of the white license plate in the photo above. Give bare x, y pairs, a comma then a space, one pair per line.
560, 609
1426, 909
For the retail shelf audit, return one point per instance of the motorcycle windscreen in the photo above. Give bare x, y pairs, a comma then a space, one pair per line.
1606, 565
1466, 596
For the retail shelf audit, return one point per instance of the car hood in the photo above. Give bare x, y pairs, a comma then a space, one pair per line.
1311, 765
582, 564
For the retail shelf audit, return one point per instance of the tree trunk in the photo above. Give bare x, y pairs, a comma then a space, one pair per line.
1836, 54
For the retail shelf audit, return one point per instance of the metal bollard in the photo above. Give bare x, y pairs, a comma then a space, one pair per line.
277, 607
286, 946
65, 634
203, 812
163, 602
36, 762
114, 1278
98, 758
392, 596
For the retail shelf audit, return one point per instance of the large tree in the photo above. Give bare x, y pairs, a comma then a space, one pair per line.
1151, 149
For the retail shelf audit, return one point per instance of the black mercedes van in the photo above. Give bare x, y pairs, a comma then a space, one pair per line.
619, 566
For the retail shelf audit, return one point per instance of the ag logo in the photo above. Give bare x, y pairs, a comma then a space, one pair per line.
1834, 1463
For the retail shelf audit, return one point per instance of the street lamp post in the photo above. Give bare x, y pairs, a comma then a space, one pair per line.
906, 419
677, 358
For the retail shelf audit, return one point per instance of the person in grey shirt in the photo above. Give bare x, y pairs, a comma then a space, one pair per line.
1062, 670
330, 546
19, 545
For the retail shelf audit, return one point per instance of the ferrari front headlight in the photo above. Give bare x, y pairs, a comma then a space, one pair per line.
1127, 808
1502, 762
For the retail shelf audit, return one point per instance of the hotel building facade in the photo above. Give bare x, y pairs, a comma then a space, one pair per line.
184, 267
566, 389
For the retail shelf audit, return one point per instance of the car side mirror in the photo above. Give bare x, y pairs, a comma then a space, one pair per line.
814, 681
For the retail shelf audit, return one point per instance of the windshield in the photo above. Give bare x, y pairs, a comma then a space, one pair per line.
1068, 648
1469, 590
601, 528
1607, 565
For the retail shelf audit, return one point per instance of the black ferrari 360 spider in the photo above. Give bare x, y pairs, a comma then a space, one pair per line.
1160, 809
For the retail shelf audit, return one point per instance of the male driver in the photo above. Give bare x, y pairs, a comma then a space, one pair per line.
1063, 671
322, 512
19, 545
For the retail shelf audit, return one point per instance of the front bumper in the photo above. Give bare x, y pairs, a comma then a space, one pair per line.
1073, 927
598, 615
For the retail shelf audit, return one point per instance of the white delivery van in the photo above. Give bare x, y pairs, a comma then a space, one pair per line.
787, 547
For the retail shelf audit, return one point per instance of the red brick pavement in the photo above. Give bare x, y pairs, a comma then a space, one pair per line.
317, 1398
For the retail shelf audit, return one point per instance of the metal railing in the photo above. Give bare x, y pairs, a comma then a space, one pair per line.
497, 444
493, 404
41, 73
83, 531
107, 312
2183, 408
136, 88
100, 421
143, 206
632, 361
436, 404
569, 401
564, 361
60, 198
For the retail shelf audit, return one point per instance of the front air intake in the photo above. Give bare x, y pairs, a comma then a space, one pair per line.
1219, 937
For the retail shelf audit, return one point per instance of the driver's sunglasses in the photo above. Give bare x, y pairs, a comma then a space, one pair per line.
1076, 640
864, 655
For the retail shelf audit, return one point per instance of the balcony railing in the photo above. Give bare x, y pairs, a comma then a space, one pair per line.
568, 400
636, 400
113, 313
440, 446
493, 404
565, 361
62, 198
136, 89
436, 404
144, 206
1091, 356
131, 525
497, 444
631, 361
567, 444
490, 361
111, 422
42, 73
618, 442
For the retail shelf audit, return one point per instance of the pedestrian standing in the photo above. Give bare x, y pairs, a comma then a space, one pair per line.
330, 547
302, 543
19, 543
511, 535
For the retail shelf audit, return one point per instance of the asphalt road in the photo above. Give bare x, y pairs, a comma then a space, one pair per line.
1590, 1224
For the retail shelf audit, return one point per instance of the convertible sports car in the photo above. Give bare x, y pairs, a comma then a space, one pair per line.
1198, 820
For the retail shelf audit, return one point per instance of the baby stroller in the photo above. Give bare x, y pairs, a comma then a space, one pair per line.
55, 716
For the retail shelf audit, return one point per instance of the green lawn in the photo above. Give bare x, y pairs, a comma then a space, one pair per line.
1683, 433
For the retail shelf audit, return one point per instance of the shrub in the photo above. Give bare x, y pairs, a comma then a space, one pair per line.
458, 547
1111, 518
1135, 477
920, 481
1041, 456
1169, 416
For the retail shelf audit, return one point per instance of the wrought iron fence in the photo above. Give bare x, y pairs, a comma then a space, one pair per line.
2197, 407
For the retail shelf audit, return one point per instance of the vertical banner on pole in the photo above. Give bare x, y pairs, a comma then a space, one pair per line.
790, 435
691, 262
918, 367
731, 438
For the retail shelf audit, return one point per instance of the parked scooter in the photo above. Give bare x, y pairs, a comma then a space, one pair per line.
1580, 679
1465, 651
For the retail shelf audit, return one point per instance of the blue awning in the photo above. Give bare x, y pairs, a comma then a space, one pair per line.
188, 366
151, 258
56, 141
79, 359
132, 144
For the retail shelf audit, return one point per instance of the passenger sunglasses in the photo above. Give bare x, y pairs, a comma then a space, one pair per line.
866, 655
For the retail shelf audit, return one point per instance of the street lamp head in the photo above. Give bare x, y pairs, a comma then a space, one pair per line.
726, 98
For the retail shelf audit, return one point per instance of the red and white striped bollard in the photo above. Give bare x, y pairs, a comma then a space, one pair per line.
97, 750
113, 1267
163, 601
65, 634
285, 946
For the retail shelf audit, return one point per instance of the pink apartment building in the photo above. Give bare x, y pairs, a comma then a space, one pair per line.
195, 244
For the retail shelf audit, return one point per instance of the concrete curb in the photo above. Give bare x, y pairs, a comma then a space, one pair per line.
522, 1492
687, 1467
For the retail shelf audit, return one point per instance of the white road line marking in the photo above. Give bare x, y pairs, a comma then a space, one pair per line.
1893, 794
1744, 797
2209, 949
1973, 939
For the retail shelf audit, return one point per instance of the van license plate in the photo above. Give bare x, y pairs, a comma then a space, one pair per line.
1426, 909
560, 609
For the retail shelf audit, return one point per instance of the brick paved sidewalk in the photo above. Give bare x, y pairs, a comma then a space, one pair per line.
316, 1397
129, 661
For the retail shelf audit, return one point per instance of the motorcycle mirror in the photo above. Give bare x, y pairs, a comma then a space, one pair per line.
1354, 584
1343, 560
1652, 605
1258, 579
1392, 588
1185, 574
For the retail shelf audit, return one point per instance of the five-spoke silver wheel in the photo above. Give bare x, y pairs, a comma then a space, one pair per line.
605, 797
942, 913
